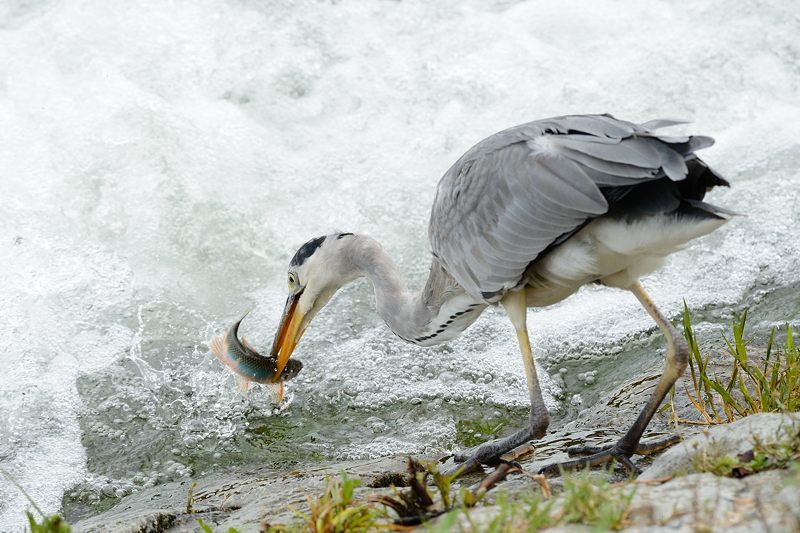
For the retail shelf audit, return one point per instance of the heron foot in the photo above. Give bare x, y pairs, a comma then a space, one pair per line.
489, 453
600, 455
643, 448
612, 453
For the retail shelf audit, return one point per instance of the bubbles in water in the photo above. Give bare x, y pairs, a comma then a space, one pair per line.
161, 165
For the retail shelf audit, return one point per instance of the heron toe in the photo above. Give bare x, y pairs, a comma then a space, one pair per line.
473, 459
612, 453
599, 455
643, 448
587, 450
489, 453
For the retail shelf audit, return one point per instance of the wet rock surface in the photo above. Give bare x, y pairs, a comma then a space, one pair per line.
761, 502
766, 502
730, 439
243, 499
670, 495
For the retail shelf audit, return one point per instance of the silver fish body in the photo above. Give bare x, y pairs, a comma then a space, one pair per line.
247, 363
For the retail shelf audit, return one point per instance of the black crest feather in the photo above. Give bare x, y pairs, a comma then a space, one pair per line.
306, 251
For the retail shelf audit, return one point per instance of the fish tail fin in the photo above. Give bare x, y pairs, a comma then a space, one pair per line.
219, 345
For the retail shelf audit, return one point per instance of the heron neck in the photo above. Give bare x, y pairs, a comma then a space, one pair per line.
416, 317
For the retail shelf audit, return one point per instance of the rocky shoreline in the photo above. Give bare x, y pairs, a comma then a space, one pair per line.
668, 495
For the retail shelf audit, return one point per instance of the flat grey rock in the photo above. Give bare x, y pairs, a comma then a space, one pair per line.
764, 502
242, 499
705, 502
731, 439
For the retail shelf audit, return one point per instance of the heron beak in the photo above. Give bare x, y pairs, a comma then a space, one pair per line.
289, 333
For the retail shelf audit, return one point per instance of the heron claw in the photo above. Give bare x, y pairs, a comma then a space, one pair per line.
488, 454
587, 450
605, 455
598, 455
491, 453
643, 448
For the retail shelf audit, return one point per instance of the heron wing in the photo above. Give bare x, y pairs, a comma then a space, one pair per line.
522, 190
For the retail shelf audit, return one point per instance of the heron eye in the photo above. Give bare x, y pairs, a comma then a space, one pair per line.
292, 281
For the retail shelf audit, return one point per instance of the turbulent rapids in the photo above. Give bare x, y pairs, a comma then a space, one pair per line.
152, 151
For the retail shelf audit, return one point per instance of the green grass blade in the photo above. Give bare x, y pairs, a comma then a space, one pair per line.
769, 348
748, 398
727, 398
694, 358
734, 375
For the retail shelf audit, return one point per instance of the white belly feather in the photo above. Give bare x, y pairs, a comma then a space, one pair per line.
613, 251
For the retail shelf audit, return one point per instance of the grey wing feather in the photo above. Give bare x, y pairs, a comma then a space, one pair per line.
516, 193
662, 123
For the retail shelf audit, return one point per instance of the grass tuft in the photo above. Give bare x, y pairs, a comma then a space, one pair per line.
754, 387
526, 513
594, 502
418, 504
337, 511
50, 524
585, 500
781, 453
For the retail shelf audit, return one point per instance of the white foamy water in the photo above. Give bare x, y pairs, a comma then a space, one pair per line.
161, 162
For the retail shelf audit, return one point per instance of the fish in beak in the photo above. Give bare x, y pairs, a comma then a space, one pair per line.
289, 332
249, 365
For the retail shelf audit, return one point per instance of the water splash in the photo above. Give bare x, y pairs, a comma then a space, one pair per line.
162, 162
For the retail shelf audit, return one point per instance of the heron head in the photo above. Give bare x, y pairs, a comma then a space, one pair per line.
318, 269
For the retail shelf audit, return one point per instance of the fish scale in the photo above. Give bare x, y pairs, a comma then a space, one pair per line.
247, 363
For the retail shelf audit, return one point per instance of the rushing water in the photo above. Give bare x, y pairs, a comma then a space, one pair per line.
160, 163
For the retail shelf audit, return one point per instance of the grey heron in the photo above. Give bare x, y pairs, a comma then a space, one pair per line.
524, 219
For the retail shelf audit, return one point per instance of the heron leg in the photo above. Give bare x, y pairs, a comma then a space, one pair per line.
488, 453
676, 360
